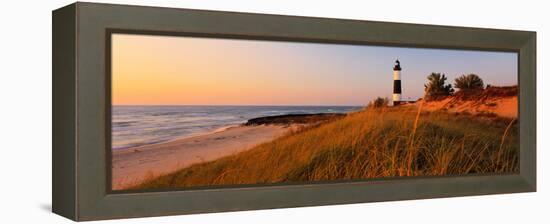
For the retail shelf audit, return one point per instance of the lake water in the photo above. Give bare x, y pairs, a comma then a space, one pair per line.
141, 125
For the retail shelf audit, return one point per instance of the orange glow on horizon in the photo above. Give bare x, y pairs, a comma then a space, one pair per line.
154, 70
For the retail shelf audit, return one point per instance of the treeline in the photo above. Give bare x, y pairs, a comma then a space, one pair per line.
437, 88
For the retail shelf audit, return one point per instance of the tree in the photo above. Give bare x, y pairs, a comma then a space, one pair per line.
436, 87
469, 82
379, 102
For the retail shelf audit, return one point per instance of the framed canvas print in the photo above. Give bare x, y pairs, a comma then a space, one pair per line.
160, 111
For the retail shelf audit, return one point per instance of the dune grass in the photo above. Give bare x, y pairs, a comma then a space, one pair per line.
374, 143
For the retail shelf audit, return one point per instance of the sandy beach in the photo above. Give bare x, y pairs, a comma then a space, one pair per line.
133, 165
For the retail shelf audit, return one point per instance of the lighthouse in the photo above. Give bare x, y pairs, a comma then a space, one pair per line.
396, 98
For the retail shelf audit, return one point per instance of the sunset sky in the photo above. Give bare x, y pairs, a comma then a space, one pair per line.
163, 70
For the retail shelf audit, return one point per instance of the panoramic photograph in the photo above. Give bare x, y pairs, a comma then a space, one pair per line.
213, 112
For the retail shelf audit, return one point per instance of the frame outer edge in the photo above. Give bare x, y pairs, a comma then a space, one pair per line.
64, 112
528, 115
95, 203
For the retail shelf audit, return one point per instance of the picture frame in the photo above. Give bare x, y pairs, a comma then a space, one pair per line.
81, 110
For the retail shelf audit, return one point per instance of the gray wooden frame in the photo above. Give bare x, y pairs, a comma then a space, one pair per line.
81, 110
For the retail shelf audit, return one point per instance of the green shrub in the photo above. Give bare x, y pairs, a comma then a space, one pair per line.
379, 102
436, 88
469, 82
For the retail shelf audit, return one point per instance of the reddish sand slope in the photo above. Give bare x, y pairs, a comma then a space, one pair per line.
500, 101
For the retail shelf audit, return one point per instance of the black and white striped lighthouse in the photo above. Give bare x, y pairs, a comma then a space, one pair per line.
396, 83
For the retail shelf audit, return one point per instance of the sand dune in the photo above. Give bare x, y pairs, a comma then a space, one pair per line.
499, 101
502, 107
133, 165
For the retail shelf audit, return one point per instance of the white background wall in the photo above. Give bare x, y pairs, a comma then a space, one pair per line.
25, 112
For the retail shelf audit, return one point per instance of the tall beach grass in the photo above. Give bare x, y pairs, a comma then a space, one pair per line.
373, 143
